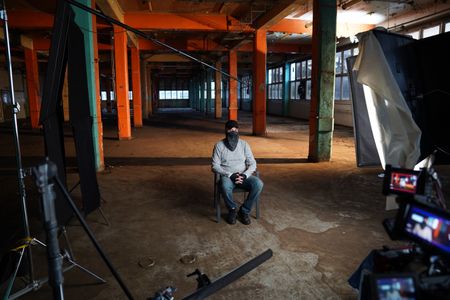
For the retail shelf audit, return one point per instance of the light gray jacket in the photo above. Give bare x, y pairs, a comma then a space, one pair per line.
226, 162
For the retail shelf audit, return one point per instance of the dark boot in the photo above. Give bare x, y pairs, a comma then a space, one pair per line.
231, 217
244, 218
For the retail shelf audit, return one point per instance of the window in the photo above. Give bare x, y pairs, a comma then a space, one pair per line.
415, 35
246, 87
447, 27
173, 89
341, 85
275, 84
300, 80
103, 96
130, 95
431, 31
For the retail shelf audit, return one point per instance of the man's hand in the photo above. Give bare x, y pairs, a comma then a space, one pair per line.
240, 178
234, 177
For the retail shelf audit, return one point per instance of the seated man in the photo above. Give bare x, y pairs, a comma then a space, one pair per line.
233, 160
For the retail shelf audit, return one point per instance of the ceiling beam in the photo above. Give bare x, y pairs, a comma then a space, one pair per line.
166, 21
26, 41
167, 58
277, 13
291, 26
112, 8
30, 19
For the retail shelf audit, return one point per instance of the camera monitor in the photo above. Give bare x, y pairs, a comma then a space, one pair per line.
394, 286
428, 226
401, 181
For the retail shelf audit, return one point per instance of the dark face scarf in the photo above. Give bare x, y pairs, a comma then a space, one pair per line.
231, 140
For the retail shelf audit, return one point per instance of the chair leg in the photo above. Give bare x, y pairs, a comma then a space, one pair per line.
257, 209
217, 204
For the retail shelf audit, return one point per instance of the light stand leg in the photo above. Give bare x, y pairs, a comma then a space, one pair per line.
68, 254
99, 208
66, 238
74, 187
73, 262
93, 240
13, 277
20, 171
33, 285
104, 217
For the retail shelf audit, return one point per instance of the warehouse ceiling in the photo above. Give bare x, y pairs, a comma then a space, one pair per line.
207, 29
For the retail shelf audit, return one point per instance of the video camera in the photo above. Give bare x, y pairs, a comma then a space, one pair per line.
421, 269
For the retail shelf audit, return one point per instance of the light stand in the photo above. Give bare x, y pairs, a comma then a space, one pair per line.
42, 174
25, 248
20, 171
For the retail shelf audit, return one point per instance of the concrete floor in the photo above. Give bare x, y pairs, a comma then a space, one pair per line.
320, 219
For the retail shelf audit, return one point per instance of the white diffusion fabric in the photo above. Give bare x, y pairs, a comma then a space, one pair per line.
397, 137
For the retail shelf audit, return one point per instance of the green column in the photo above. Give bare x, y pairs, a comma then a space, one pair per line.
286, 95
84, 20
323, 72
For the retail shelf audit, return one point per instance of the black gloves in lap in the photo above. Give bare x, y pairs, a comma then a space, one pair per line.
235, 176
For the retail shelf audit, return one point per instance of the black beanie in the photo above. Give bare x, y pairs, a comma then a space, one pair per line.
230, 124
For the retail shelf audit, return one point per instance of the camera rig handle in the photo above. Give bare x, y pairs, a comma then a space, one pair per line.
202, 279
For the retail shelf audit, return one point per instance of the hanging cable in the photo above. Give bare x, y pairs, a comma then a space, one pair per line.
144, 35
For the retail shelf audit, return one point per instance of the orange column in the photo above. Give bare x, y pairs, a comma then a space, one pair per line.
259, 82
98, 113
31, 67
136, 83
232, 87
121, 66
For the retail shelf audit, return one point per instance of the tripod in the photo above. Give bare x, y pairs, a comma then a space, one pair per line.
55, 256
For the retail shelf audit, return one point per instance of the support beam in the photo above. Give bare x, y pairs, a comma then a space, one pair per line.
208, 91
286, 89
150, 91
30, 19
34, 99
291, 26
108, 95
321, 121
201, 22
232, 70
65, 97
121, 69
112, 8
25, 41
97, 116
86, 20
281, 10
144, 89
136, 84
259, 82
218, 91
202, 98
